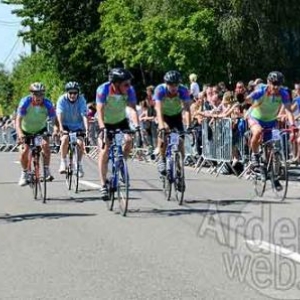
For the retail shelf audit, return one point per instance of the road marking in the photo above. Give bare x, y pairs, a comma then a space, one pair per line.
275, 249
90, 184
16, 162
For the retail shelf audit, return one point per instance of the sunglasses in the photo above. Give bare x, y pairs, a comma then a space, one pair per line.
276, 83
38, 94
125, 84
72, 93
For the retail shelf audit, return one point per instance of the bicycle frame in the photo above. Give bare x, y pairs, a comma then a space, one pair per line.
119, 177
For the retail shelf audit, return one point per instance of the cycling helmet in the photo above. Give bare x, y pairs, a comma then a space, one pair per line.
119, 75
37, 87
276, 78
172, 77
72, 85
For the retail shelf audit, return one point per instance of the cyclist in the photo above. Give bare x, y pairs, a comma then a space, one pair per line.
172, 99
112, 99
266, 101
71, 110
33, 112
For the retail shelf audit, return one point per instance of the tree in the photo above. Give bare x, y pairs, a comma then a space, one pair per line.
6, 91
37, 67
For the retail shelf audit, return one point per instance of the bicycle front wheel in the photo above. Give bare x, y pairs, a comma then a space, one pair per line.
259, 176
44, 184
75, 172
111, 186
279, 175
179, 179
168, 179
123, 186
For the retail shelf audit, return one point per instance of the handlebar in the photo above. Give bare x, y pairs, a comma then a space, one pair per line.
112, 133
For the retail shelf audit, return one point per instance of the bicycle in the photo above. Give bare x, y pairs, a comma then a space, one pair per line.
37, 183
175, 174
73, 161
118, 182
272, 166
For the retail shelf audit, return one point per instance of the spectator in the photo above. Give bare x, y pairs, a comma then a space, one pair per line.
194, 87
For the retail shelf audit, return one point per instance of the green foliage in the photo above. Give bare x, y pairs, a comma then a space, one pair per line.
36, 67
82, 40
161, 41
6, 91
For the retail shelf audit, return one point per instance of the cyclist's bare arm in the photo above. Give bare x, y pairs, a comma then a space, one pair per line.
289, 114
134, 115
100, 114
187, 112
159, 115
59, 120
86, 123
18, 126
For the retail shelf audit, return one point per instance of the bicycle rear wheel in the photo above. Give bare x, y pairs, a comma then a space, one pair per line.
179, 182
279, 175
123, 186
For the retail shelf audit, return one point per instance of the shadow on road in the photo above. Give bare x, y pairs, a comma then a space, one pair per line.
50, 216
225, 202
145, 190
178, 212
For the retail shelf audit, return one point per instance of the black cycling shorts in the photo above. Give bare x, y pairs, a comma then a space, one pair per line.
26, 134
174, 122
123, 125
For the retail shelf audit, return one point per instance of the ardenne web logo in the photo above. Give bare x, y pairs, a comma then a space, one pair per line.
263, 252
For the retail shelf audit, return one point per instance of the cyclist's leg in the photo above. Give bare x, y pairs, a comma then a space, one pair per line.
103, 164
127, 138
256, 137
162, 146
64, 145
24, 151
80, 143
47, 157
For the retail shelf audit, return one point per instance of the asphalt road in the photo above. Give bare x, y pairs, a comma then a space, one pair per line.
223, 243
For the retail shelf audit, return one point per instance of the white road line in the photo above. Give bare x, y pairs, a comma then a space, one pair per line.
90, 184
16, 162
275, 249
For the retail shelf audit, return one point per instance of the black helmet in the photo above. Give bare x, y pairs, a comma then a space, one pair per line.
172, 77
72, 85
37, 87
276, 78
119, 75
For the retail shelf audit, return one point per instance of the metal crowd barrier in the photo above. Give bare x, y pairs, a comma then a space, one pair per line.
8, 140
216, 145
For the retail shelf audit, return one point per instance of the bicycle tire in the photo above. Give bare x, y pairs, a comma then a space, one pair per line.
123, 186
168, 179
76, 171
69, 173
259, 176
179, 179
37, 180
44, 192
111, 187
279, 171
